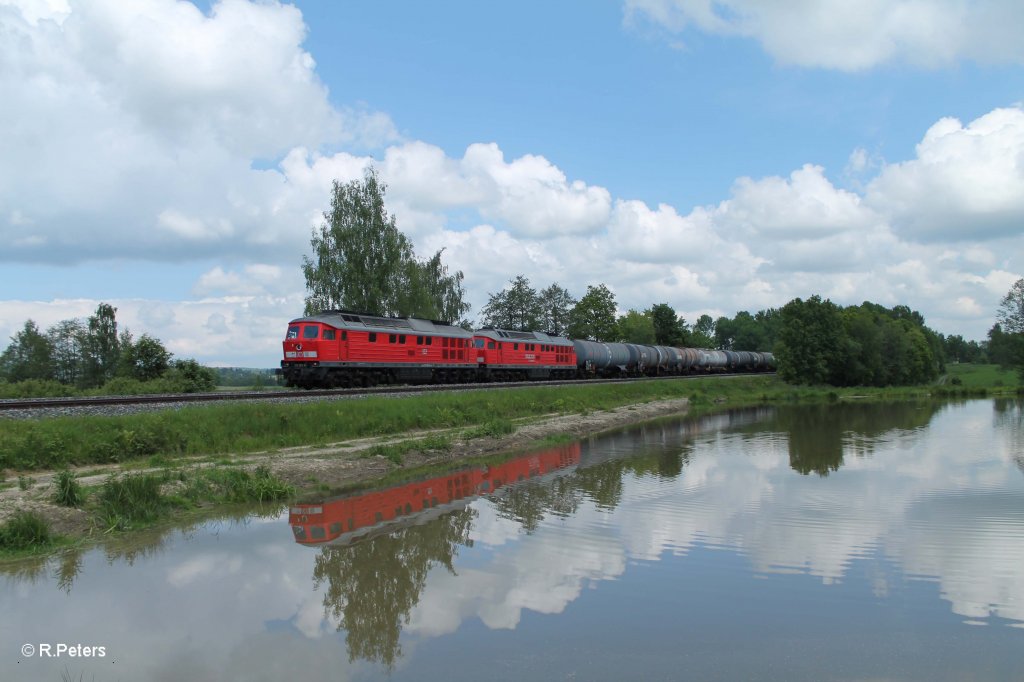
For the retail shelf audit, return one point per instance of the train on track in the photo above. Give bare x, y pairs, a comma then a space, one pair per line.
341, 348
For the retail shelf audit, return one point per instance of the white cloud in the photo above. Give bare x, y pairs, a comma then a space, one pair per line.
967, 182
252, 280
140, 124
849, 36
806, 205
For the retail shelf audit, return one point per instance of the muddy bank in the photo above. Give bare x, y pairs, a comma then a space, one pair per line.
338, 465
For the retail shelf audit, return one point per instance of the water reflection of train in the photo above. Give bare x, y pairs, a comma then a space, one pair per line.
343, 519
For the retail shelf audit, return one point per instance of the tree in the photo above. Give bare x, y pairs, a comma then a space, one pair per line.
517, 307
29, 356
361, 261
66, 340
145, 359
703, 333
188, 376
433, 293
100, 347
669, 328
810, 341
1006, 339
635, 327
593, 317
556, 303
1011, 309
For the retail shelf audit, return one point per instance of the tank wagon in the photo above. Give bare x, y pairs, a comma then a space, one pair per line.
341, 348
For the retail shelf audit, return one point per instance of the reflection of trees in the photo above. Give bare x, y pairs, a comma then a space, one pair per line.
527, 502
69, 565
820, 434
1009, 419
602, 483
372, 585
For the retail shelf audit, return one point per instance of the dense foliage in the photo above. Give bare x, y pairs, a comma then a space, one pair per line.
820, 342
1006, 338
73, 355
362, 261
593, 317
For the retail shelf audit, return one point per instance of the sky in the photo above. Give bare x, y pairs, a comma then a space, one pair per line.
173, 158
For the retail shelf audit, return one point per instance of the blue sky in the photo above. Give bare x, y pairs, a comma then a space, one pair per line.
172, 158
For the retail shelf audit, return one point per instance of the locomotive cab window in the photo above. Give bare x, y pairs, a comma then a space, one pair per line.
479, 343
490, 345
293, 332
328, 335
310, 331
430, 340
372, 337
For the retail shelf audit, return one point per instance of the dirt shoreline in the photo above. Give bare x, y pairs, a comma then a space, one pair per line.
336, 466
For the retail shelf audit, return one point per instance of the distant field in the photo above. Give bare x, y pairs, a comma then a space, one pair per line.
979, 376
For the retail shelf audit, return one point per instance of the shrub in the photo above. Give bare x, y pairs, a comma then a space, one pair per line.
188, 376
68, 490
239, 485
25, 530
134, 498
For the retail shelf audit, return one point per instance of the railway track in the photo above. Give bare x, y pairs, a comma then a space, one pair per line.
31, 404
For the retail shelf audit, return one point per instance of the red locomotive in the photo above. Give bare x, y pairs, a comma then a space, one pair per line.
341, 348
344, 519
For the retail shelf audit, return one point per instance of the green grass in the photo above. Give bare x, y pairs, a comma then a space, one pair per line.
240, 485
395, 452
972, 376
132, 500
67, 490
135, 500
492, 428
25, 531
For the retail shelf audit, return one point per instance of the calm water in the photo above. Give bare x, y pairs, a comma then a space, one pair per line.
854, 542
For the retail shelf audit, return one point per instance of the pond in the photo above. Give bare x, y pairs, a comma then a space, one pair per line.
838, 542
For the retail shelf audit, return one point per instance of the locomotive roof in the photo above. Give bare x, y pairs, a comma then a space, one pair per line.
342, 319
541, 337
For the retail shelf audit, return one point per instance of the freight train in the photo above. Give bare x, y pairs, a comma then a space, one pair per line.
341, 348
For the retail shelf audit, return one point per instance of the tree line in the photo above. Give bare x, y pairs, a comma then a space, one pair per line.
93, 354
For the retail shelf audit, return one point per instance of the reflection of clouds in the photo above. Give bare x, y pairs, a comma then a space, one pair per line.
199, 567
899, 493
491, 529
973, 545
543, 572
228, 602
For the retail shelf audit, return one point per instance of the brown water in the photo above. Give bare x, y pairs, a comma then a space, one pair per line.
846, 542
